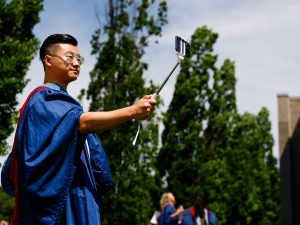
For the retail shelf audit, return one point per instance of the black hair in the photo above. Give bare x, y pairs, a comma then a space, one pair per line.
199, 206
56, 39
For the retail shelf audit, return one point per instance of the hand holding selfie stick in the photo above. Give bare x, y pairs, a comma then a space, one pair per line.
183, 49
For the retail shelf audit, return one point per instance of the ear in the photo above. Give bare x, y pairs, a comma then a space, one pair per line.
47, 60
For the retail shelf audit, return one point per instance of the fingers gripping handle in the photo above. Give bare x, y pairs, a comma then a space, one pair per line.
139, 126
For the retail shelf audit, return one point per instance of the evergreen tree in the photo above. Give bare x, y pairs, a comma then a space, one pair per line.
117, 81
209, 150
17, 48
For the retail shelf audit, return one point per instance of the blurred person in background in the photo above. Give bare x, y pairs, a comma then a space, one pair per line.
198, 215
169, 215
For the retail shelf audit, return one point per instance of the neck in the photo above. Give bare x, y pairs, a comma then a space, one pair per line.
56, 82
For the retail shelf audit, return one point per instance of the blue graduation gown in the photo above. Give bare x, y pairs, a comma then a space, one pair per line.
57, 180
188, 217
165, 216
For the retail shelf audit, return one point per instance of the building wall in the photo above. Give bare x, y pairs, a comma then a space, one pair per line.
289, 149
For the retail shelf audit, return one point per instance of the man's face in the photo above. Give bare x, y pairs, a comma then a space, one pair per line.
65, 62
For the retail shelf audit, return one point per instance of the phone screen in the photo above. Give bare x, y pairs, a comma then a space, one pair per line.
182, 46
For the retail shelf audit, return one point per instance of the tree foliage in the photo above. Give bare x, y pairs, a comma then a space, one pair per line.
117, 81
17, 48
210, 150
6, 206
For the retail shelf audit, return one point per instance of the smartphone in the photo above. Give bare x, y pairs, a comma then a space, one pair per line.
182, 46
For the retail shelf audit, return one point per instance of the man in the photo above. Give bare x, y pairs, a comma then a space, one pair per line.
58, 170
198, 215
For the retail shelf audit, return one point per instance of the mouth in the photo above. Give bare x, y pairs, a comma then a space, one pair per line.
76, 72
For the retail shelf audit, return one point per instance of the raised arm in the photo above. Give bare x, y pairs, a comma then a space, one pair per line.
101, 121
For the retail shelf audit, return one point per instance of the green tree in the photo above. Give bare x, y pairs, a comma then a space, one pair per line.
209, 150
6, 206
253, 168
17, 48
117, 81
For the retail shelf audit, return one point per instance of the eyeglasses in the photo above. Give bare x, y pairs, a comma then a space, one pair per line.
69, 57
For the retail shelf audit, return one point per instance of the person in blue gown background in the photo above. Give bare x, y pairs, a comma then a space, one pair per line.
169, 215
198, 214
58, 170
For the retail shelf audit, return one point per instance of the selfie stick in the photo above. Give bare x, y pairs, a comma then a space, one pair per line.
180, 58
182, 47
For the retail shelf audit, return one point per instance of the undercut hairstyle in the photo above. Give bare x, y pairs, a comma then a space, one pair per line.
56, 39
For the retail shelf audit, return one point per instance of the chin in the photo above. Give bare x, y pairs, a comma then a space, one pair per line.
73, 79
74, 74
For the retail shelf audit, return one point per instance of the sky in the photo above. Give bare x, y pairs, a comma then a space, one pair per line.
260, 36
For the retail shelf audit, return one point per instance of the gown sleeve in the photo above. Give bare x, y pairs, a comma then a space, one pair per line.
99, 163
7, 185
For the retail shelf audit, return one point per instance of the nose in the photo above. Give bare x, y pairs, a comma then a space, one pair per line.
76, 61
